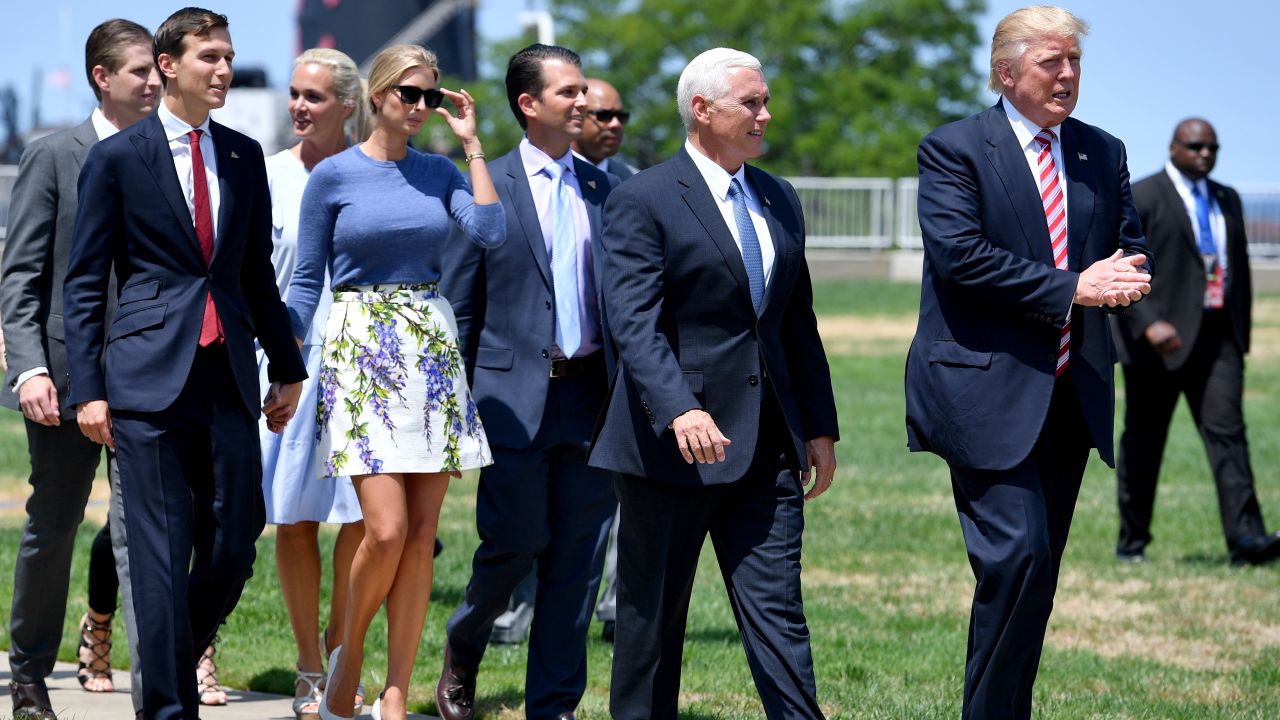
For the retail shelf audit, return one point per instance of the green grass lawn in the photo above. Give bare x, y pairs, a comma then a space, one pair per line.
886, 580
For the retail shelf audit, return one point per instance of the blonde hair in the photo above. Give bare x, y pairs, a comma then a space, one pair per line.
1020, 28
391, 63
347, 85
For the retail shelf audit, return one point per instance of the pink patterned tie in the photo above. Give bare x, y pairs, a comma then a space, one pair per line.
1055, 214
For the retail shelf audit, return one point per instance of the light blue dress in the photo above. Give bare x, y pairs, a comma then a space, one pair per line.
289, 473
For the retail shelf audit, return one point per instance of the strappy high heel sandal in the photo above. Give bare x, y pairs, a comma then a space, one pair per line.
95, 654
308, 693
211, 693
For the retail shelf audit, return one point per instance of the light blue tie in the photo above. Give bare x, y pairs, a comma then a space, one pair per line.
1207, 245
564, 264
750, 244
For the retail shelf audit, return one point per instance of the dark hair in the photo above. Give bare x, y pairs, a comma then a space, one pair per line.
106, 46
524, 73
187, 21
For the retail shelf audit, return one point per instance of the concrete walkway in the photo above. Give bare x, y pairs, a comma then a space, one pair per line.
71, 702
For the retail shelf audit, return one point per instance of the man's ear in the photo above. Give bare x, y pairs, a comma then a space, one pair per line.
525, 103
165, 63
101, 78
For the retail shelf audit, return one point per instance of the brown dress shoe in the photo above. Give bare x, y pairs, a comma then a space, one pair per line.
456, 691
31, 701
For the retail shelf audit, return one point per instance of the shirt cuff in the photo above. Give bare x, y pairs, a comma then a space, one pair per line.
17, 383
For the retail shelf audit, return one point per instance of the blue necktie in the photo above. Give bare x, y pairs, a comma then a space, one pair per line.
750, 244
564, 264
1207, 245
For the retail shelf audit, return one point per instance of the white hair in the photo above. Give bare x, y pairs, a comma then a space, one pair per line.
707, 75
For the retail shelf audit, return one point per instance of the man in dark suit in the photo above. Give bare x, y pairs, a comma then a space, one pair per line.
722, 407
604, 128
123, 76
536, 344
178, 395
1026, 216
1189, 338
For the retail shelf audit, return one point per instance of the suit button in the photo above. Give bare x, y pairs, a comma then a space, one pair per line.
545, 353
752, 380
548, 304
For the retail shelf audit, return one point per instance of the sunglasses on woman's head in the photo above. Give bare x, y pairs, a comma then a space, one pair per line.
411, 95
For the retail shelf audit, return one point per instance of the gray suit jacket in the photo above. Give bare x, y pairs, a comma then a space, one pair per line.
42, 213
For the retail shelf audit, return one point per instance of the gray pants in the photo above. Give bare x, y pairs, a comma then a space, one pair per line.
63, 465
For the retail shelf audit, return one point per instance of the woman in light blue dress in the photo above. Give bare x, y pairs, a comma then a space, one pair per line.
326, 108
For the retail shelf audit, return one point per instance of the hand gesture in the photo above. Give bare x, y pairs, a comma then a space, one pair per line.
463, 120
699, 438
1113, 281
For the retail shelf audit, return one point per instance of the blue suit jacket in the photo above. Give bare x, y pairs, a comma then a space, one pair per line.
687, 334
980, 370
133, 212
502, 298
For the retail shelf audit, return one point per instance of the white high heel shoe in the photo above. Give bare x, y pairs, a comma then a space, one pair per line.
325, 712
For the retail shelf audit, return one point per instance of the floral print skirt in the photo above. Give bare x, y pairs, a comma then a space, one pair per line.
393, 390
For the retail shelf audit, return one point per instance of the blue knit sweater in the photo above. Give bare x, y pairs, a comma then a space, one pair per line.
381, 222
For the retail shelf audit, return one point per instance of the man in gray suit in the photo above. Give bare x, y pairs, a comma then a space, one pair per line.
122, 73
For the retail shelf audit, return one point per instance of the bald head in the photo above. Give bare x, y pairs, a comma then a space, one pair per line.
1194, 148
600, 138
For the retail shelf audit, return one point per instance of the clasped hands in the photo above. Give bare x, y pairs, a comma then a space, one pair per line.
700, 440
94, 416
1117, 280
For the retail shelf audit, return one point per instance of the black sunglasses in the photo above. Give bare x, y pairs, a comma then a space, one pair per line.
411, 95
604, 117
1198, 146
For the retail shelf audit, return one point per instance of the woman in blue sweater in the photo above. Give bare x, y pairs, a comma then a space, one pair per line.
395, 412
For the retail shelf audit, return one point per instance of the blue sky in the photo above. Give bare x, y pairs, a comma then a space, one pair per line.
1147, 64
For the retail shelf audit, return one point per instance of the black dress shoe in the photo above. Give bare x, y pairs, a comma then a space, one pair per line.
456, 691
606, 633
439, 548
1256, 549
31, 701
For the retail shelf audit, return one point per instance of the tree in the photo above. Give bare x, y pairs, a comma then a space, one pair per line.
855, 85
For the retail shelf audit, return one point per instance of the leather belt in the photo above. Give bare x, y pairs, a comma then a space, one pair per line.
571, 367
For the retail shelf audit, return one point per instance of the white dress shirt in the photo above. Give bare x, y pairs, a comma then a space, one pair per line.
718, 180
1217, 222
175, 130
1026, 132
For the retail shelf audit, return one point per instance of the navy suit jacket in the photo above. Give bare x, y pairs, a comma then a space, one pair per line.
502, 298
1177, 296
980, 372
133, 212
687, 334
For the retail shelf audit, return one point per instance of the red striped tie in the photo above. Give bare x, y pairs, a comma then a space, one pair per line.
1055, 214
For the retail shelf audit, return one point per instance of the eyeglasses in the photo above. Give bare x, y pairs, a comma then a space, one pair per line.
411, 95
1196, 147
604, 117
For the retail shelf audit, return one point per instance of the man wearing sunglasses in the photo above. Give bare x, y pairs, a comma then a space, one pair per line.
533, 333
603, 129
1189, 338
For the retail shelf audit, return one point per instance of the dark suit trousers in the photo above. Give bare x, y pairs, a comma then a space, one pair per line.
542, 503
1212, 380
1015, 524
755, 525
192, 482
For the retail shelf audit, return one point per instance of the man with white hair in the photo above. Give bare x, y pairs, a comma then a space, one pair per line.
1030, 232
722, 411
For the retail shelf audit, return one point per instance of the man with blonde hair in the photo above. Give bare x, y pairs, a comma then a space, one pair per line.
1030, 233
722, 410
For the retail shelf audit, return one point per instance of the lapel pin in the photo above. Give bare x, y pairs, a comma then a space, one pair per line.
234, 156
591, 184
1082, 156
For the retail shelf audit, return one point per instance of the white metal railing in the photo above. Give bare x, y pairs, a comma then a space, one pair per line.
880, 213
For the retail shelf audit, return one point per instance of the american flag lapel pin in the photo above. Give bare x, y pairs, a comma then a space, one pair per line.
591, 184
234, 156
1082, 156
